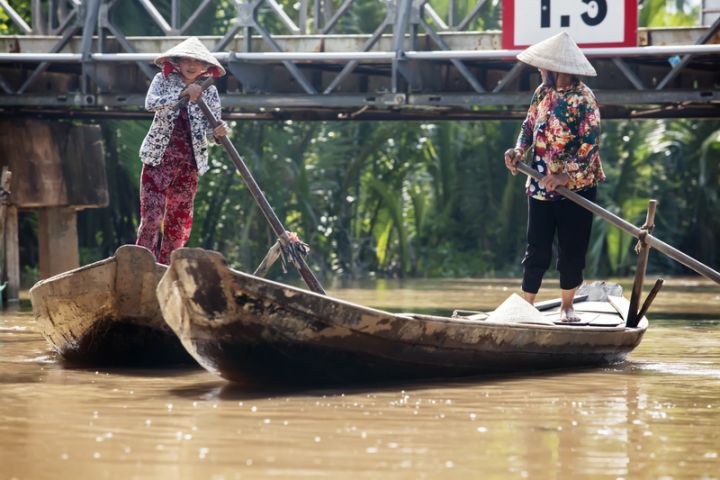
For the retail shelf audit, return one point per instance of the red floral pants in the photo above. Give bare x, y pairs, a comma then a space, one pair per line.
167, 193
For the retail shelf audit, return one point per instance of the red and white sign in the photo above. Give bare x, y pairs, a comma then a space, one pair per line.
591, 23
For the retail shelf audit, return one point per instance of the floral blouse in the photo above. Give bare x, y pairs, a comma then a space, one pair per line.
162, 97
563, 126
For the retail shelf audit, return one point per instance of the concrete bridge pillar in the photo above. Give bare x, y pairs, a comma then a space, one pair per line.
57, 169
58, 239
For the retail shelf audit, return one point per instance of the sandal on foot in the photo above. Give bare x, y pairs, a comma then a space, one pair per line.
569, 317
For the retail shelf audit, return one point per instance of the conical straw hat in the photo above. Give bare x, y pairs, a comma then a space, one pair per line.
558, 53
190, 48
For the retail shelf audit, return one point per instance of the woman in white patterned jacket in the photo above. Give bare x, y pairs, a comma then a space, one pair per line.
175, 150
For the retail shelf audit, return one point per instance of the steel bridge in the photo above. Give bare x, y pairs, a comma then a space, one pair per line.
71, 59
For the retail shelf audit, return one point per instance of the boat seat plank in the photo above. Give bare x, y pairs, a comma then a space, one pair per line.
587, 307
591, 319
598, 307
607, 320
621, 305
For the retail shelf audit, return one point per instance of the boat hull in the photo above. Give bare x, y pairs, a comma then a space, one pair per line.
244, 328
107, 312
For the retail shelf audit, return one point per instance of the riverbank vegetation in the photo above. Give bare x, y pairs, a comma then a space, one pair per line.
421, 199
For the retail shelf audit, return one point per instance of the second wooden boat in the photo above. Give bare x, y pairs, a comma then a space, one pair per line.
107, 312
243, 327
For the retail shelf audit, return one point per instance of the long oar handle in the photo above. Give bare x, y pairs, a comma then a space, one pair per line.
628, 227
312, 282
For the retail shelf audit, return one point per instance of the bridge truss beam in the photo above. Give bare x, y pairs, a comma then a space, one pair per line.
75, 61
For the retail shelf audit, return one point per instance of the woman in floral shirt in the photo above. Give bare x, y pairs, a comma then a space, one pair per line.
175, 150
562, 133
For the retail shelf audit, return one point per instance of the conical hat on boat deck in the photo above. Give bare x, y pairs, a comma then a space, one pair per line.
193, 48
558, 53
516, 310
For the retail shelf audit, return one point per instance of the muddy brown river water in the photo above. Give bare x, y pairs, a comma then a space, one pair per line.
656, 416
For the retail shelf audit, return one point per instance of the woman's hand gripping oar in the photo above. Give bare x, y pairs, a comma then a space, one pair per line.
628, 227
185, 98
293, 249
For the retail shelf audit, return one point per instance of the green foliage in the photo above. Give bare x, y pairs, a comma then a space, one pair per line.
421, 199
688, 185
364, 16
7, 26
662, 13
488, 17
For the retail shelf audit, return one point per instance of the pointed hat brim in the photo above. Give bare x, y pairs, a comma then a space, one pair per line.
558, 53
191, 47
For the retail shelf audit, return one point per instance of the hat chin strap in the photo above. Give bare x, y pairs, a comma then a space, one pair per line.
168, 68
213, 70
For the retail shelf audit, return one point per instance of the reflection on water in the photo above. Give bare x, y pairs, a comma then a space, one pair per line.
657, 416
701, 369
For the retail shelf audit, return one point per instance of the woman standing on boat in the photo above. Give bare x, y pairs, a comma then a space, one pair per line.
175, 150
562, 131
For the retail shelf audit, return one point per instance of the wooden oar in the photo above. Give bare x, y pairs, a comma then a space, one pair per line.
296, 258
628, 227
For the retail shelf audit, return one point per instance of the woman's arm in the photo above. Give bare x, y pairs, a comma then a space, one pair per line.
212, 100
526, 136
162, 94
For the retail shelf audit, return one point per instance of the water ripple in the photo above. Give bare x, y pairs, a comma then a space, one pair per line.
16, 329
43, 359
688, 369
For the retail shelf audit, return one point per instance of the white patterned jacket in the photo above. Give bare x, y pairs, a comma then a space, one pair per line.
162, 97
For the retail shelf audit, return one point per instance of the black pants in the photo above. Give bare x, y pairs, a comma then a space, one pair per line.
572, 224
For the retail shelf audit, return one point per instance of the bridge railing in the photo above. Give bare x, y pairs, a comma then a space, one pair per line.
173, 18
303, 59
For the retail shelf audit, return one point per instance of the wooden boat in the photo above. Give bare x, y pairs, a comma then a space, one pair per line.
107, 312
246, 328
